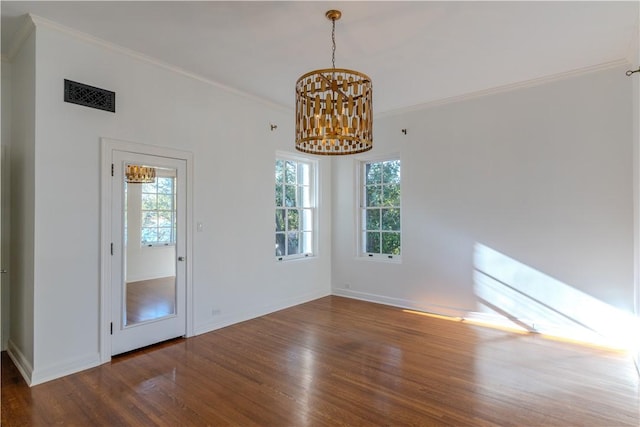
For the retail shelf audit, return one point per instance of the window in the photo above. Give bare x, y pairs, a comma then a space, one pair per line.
380, 209
158, 212
295, 207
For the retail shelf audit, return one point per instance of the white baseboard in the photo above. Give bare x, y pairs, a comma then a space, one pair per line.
21, 362
39, 376
576, 334
230, 319
400, 303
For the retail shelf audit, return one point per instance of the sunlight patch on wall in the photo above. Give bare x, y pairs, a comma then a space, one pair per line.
530, 299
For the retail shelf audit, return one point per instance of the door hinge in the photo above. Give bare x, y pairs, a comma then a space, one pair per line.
111, 328
111, 169
112, 249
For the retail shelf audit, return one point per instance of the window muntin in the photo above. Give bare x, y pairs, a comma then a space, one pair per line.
295, 208
380, 225
158, 212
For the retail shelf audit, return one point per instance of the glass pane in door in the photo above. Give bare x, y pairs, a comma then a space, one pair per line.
149, 288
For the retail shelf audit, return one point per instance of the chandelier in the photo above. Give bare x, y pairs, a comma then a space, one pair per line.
136, 174
334, 108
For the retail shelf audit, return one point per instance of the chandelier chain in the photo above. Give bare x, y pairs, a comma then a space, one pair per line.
333, 40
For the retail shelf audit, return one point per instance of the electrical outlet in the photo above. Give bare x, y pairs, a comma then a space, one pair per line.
347, 285
216, 312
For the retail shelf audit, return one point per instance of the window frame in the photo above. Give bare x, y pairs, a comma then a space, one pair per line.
361, 208
313, 208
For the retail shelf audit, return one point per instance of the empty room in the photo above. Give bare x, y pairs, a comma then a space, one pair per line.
319, 213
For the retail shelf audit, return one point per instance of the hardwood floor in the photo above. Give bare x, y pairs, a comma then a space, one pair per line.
150, 299
336, 362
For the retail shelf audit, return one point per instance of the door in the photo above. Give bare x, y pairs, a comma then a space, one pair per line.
148, 289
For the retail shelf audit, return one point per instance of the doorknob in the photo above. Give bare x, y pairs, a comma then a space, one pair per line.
180, 258
3, 271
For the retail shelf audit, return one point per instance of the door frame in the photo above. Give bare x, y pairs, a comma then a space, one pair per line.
108, 146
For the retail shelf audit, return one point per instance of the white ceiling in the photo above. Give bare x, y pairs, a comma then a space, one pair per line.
415, 52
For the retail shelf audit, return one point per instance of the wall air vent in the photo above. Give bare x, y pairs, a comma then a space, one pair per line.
89, 96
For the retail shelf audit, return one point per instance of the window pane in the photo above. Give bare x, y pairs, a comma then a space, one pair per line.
279, 219
304, 197
290, 195
372, 244
149, 219
374, 193
390, 220
165, 202
391, 243
149, 187
165, 185
391, 195
280, 246
279, 195
290, 173
149, 235
306, 243
165, 219
149, 202
164, 235
292, 219
279, 171
304, 174
293, 240
373, 173
373, 219
391, 172
306, 220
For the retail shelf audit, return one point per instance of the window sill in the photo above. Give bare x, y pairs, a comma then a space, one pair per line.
295, 258
396, 259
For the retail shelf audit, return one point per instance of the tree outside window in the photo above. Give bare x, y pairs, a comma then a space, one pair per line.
380, 208
158, 212
294, 200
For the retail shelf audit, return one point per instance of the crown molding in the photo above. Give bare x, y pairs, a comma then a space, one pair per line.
39, 21
623, 62
19, 37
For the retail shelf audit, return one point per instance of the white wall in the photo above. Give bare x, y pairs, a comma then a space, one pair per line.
5, 188
538, 180
634, 59
22, 199
235, 274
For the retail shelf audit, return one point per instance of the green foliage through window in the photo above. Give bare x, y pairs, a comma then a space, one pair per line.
158, 212
381, 208
294, 208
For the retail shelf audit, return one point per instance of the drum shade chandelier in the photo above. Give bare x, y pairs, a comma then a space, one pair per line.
334, 108
140, 174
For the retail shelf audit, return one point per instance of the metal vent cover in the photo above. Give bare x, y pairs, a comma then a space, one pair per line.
89, 96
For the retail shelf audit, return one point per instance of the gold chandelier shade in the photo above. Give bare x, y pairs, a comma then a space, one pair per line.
136, 174
334, 114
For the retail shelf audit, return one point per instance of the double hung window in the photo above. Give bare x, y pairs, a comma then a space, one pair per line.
295, 207
380, 228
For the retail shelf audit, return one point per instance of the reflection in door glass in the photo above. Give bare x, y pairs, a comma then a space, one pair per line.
150, 236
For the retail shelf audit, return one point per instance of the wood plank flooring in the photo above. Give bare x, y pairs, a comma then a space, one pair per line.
150, 299
338, 362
